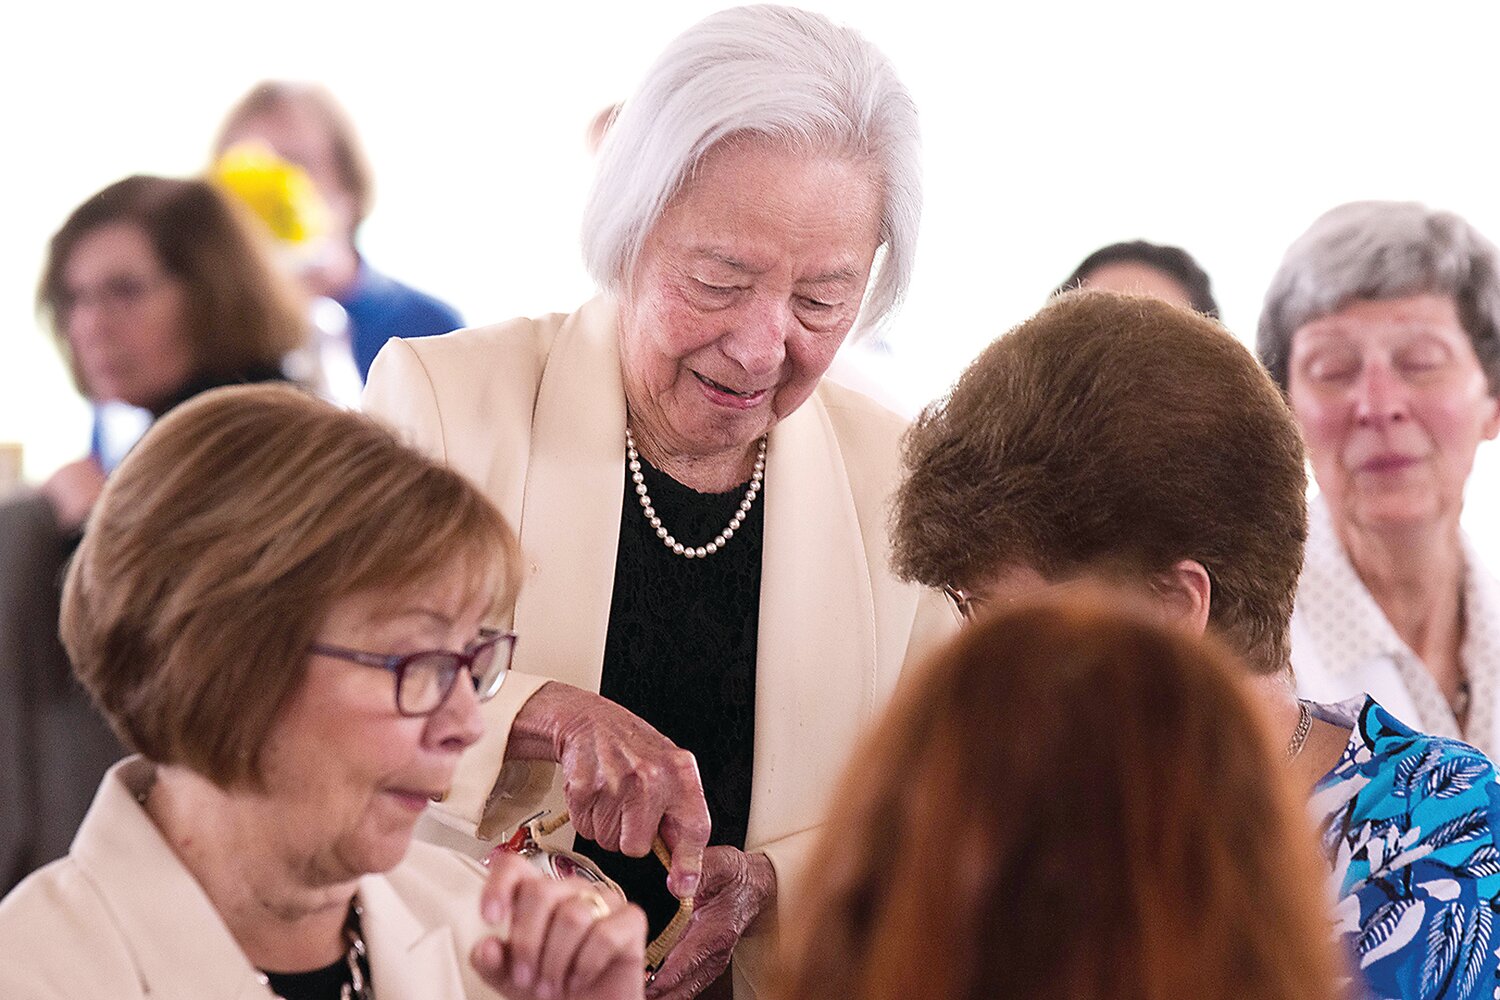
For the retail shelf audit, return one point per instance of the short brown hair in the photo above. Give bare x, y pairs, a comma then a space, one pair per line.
218, 547
1068, 801
242, 314
349, 160
1114, 432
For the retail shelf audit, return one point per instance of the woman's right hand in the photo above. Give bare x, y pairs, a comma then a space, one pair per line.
624, 781
557, 940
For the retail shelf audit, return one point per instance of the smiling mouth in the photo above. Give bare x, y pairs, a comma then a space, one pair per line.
720, 387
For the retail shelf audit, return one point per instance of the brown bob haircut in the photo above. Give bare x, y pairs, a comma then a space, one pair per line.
242, 315
1068, 801
1114, 434
271, 97
219, 546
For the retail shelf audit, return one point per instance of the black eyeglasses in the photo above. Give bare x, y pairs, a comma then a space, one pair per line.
425, 679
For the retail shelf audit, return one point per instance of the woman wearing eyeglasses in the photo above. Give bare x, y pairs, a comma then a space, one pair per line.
284, 613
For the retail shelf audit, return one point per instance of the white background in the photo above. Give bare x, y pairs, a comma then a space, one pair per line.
1050, 129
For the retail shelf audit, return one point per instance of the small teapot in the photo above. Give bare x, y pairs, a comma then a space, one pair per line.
562, 864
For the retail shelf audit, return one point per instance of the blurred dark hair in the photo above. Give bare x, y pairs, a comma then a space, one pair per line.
242, 314
1175, 262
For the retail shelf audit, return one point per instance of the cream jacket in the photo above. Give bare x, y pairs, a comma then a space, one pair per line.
120, 917
533, 412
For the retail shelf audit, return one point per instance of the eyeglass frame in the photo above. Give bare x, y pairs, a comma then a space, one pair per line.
397, 663
968, 605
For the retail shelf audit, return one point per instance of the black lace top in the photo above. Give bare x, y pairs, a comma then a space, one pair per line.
680, 653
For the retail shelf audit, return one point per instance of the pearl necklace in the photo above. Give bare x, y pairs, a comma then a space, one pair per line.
633, 462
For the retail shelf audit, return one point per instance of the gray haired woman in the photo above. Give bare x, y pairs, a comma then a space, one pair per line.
1382, 327
703, 515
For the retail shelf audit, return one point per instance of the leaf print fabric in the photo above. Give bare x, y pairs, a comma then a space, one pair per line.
1409, 823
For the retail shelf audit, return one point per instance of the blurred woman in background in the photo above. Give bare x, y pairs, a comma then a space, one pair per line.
1382, 327
304, 124
155, 289
1140, 268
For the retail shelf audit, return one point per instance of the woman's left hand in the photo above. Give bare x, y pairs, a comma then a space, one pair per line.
735, 889
557, 940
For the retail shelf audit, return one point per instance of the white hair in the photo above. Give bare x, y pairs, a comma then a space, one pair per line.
778, 72
1383, 250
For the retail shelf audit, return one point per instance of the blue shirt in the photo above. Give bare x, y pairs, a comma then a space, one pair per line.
380, 308
1409, 823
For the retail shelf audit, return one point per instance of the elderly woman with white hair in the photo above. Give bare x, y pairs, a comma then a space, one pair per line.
704, 517
1382, 327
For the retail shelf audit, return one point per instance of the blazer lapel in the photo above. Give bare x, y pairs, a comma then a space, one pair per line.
407, 960
570, 525
569, 528
179, 941
815, 663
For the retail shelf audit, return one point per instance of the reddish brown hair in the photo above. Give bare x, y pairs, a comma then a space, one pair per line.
1114, 432
1069, 801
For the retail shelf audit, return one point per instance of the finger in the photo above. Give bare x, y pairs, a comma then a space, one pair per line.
487, 957
685, 830
535, 901
580, 798
571, 922
686, 972
497, 898
616, 944
640, 818
607, 822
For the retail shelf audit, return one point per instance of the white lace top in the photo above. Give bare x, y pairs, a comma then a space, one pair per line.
1343, 646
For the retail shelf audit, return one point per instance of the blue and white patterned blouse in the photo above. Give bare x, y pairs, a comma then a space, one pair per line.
1409, 823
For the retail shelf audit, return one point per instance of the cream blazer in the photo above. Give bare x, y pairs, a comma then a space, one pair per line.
120, 917
533, 412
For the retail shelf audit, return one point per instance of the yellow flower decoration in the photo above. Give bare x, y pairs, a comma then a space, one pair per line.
278, 192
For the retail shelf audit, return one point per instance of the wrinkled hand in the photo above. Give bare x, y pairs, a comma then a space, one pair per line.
72, 491
624, 781
557, 940
737, 887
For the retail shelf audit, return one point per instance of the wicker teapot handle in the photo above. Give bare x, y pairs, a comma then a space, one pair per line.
656, 951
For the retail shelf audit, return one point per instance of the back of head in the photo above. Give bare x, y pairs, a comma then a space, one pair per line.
778, 73
1383, 250
1114, 432
1069, 801
221, 542
1175, 262
242, 314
